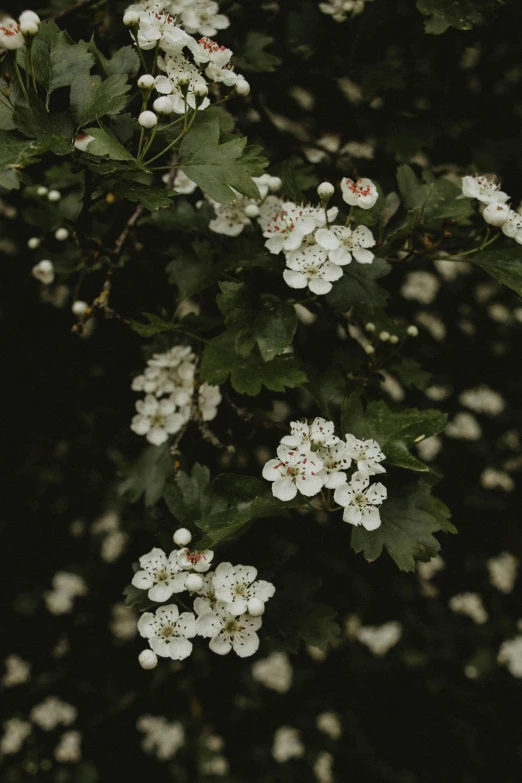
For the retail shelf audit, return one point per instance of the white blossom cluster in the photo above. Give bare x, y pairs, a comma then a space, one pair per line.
17, 671
189, 65
503, 571
497, 211
510, 654
339, 10
274, 672
65, 588
228, 603
169, 383
13, 33
113, 540
161, 738
470, 605
313, 458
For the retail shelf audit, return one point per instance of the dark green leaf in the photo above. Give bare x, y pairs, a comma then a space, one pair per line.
358, 287
190, 497
57, 61
105, 143
253, 55
504, 264
411, 373
91, 98
462, 14
148, 475
149, 196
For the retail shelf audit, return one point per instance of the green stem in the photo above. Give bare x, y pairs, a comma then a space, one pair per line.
20, 80
486, 243
142, 134
6, 102
155, 63
147, 145
169, 146
140, 53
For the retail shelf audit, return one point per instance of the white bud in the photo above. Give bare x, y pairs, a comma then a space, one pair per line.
79, 307
184, 81
148, 659
412, 331
496, 214
384, 336
82, 141
182, 536
61, 234
147, 119
255, 607
242, 87
29, 28
29, 17
146, 82
275, 184
200, 90
369, 349
370, 327
162, 105
44, 272
33, 243
131, 19
194, 583
251, 210
54, 195
325, 190
42, 190
394, 339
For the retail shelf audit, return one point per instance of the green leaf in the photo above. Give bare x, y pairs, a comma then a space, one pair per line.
105, 143
274, 329
295, 618
504, 264
91, 98
149, 196
253, 55
408, 522
412, 191
35, 122
125, 60
396, 430
6, 118
190, 497
57, 61
137, 599
397, 237
247, 374
156, 325
148, 475
358, 287
220, 169
298, 177
462, 14
411, 373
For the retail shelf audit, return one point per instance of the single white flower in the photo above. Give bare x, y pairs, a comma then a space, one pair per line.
287, 744
362, 193
236, 585
503, 571
52, 712
483, 188
208, 51
10, 35
512, 227
230, 219
160, 575
44, 271
510, 654
361, 501
381, 638
203, 17
343, 244
168, 631
336, 460
230, 632
470, 605
496, 213
181, 184
156, 419
310, 267
194, 561
288, 227
366, 453
156, 27
292, 471
306, 436
69, 749
274, 672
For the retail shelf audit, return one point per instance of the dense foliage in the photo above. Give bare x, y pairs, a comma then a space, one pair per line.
262, 295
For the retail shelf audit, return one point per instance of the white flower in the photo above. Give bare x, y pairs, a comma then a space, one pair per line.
208, 51
160, 575
44, 272
15, 733
287, 744
362, 193
510, 654
361, 501
323, 765
268, 210
482, 399
342, 244
160, 736
329, 724
209, 399
236, 585
156, 419
156, 27
194, 561
66, 587
469, 604
230, 219
181, 184
512, 227
496, 213
230, 632
311, 268
464, 427
490, 478
292, 471
307, 436
168, 631
367, 454
336, 460
288, 227
274, 672
10, 35
69, 749
421, 286
203, 17
123, 622
503, 571
483, 188
379, 639
17, 671
180, 83
52, 712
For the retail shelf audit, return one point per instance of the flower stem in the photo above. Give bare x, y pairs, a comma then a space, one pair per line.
169, 146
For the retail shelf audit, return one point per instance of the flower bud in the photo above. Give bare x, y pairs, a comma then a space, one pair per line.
496, 214
79, 308
182, 536
369, 349
394, 339
54, 195
61, 234
33, 243
29, 29
325, 190
200, 90
146, 82
131, 19
275, 184
255, 607
251, 210
412, 331
29, 17
162, 105
44, 272
148, 659
42, 190
82, 141
370, 327
147, 119
384, 336
194, 583
242, 87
